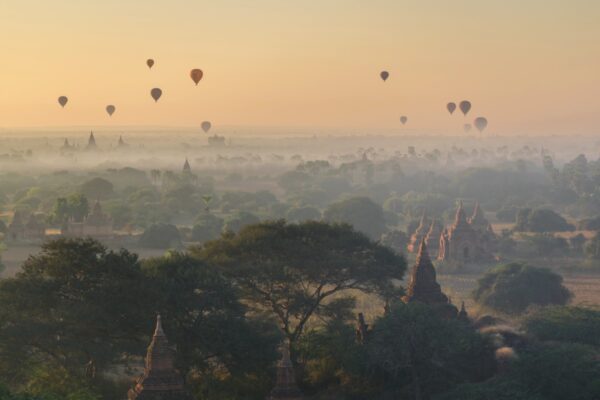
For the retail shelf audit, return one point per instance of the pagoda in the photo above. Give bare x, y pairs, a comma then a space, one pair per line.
423, 286
432, 239
468, 240
418, 235
91, 142
285, 386
187, 169
160, 381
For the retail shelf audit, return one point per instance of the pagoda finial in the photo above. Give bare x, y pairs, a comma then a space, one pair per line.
158, 331
423, 255
160, 379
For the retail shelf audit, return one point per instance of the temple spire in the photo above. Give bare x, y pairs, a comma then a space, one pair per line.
186, 166
460, 218
285, 386
158, 331
160, 379
423, 286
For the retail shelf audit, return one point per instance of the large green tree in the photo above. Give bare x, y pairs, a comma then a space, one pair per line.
417, 352
361, 212
76, 306
294, 270
511, 288
214, 337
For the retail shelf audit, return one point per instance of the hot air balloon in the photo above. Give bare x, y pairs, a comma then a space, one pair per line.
150, 63
206, 125
384, 75
110, 109
480, 123
156, 93
465, 106
196, 75
403, 119
451, 107
62, 100
467, 128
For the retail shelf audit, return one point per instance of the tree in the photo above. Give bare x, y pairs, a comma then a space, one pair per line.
97, 189
238, 220
206, 321
307, 213
558, 372
75, 307
592, 249
76, 206
161, 236
294, 270
577, 243
546, 244
361, 212
395, 240
507, 213
207, 227
511, 288
541, 220
418, 353
565, 324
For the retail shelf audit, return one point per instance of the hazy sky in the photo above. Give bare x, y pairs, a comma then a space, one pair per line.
530, 66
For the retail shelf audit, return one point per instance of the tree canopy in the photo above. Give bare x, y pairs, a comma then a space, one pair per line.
293, 270
361, 212
511, 288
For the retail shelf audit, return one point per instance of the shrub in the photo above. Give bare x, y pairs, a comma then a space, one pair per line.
511, 288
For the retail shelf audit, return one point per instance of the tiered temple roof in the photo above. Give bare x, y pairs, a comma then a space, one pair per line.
432, 239
160, 381
470, 240
97, 216
478, 220
423, 286
418, 235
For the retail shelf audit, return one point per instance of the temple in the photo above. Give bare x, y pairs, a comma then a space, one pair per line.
160, 381
91, 142
31, 230
97, 224
432, 239
468, 240
285, 386
418, 235
423, 286
187, 169
121, 143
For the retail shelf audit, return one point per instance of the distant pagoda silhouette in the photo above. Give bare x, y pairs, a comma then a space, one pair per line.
91, 142
160, 381
423, 285
285, 386
187, 169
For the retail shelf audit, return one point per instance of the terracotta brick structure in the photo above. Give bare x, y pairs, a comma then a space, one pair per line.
160, 381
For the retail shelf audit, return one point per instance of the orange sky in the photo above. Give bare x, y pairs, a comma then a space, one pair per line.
529, 66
